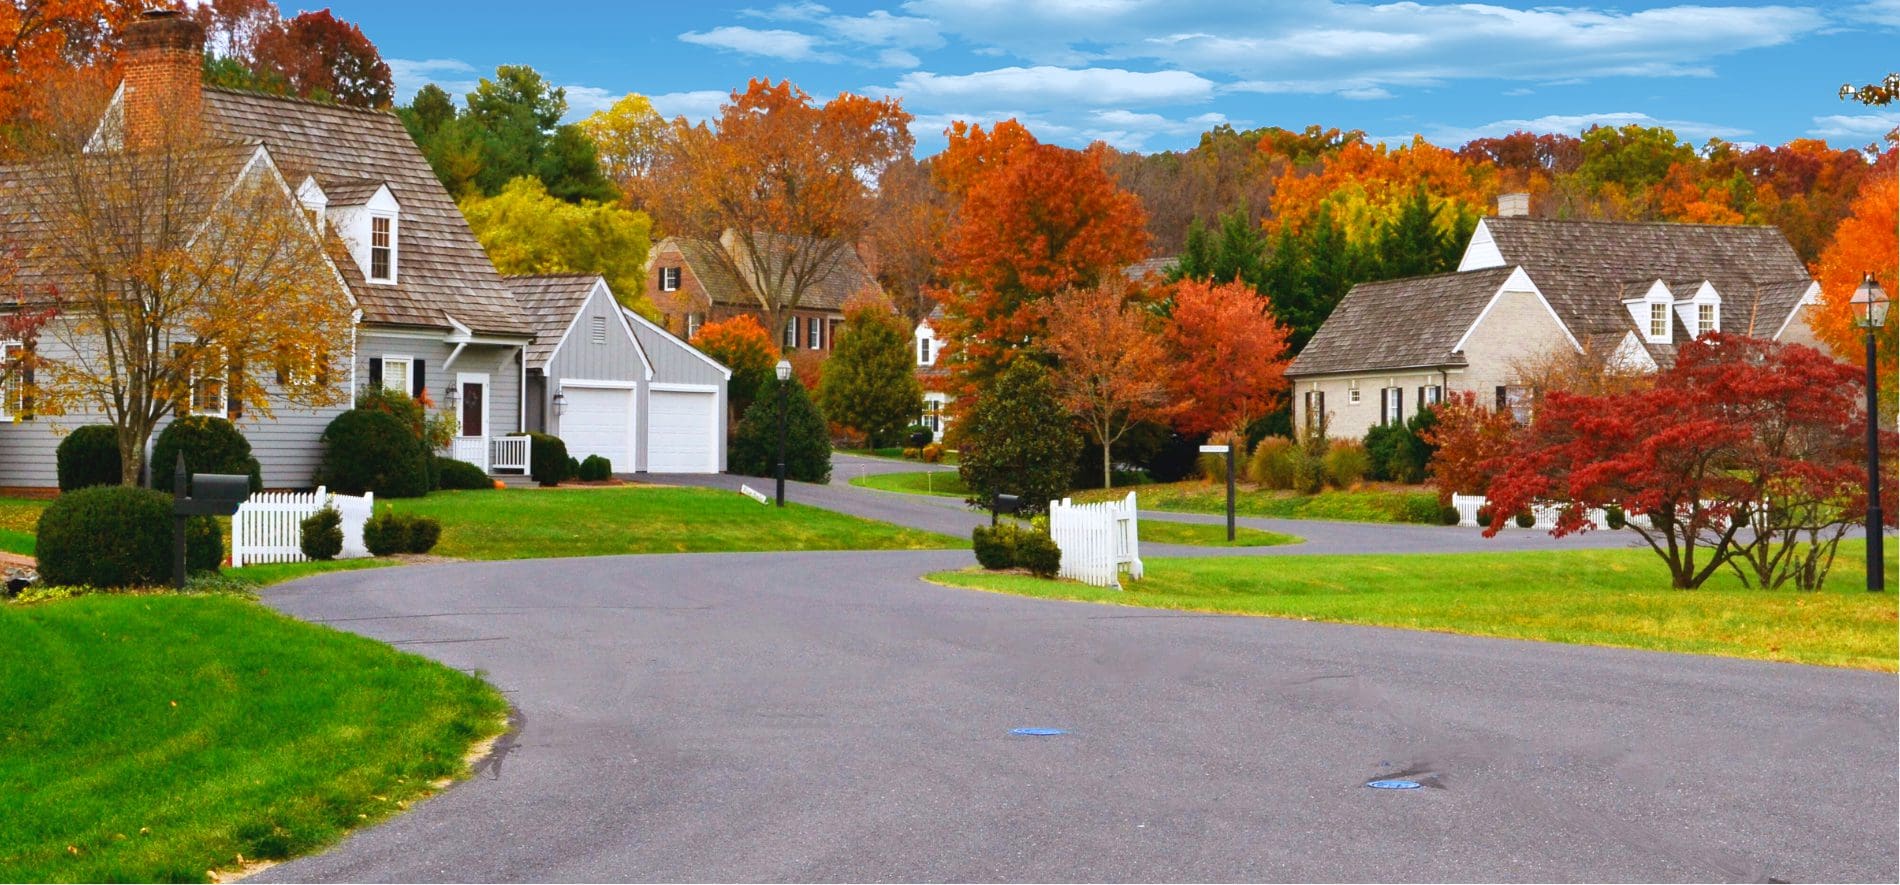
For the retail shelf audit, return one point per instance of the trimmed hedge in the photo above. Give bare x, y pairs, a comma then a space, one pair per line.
389, 532
595, 469
209, 444
89, 456
1011, 546
119, 536
371, 450
995, 546
547, 459
321, 535
460, 475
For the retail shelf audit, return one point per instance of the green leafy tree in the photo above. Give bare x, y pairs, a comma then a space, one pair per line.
509, 127
870, 383
427, 112
1309, 272
1236, 250
807, 439
526, 230
1018, 440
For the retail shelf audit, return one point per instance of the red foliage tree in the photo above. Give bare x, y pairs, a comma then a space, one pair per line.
320, 54
1229, 355
1112, 366
1035, 219
1730, 428
1468, 441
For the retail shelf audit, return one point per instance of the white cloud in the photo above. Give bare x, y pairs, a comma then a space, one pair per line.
1046, 86
1118, 127
409, 75
771, 43
584, 100
897, 58
1880, 12
1871, 127
698, 105
1569, 124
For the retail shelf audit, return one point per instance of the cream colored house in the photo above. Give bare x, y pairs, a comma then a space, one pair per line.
1529, 287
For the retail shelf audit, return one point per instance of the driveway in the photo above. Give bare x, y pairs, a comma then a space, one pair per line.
827, 716
951, 516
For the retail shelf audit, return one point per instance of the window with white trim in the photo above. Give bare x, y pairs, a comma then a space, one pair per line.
208, 394
382, 248
396, 371
1658, 321
1705, 319
669, 279
815, 333
1352, 396
791, 333
693, 322
923, 351
1434, 394
13, 395
1393, 405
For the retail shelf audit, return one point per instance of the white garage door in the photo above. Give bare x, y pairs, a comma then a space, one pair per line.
682, 430
599, 421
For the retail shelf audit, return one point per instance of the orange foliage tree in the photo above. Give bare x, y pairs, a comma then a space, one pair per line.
742, 345
42, 40
1229, 355
1112, 366
1866, 241
1362, 185
1035, 219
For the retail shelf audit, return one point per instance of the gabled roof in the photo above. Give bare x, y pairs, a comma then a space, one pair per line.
348, 191
550, 303
1157, 266
846, 277
444, 272
1401, 324
1586, 268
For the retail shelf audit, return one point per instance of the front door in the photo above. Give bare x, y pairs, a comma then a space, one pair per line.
471, 443
474, 407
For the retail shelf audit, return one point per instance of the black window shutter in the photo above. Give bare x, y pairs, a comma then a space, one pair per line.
1385, 407
1398, 405
375, 373
233, 405
420, 383
1503, 399
1319, 412
1421, 398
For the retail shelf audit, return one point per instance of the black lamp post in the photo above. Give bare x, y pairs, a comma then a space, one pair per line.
1870, 313
784, 375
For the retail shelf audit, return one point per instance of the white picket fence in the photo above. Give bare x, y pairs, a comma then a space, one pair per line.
1098, 541
268, 527
1469, 505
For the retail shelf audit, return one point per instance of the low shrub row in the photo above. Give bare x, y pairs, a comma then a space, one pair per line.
1010, 546
388, 533
113, 536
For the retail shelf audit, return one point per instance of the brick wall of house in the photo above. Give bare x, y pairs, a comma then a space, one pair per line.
691, 297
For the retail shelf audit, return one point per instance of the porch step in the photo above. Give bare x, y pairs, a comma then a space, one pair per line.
514, 480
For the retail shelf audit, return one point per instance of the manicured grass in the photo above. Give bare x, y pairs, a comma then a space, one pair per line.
894, 453
1586, 597
1157, 531
154, 738
532, 523
1371, 504
943, 483
19, 518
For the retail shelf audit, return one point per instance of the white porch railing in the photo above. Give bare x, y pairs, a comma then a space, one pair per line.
268, 527
473, 449
508, 453
1098, 541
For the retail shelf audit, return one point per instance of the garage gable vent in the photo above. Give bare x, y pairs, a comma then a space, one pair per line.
600, 330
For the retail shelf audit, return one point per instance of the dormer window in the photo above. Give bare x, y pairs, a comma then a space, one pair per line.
1705, 319
1658, 321
923, 351
382, 249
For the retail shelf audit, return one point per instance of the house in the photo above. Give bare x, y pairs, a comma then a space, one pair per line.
934, 377
432, 315
696, 281
1627, 293
609, 382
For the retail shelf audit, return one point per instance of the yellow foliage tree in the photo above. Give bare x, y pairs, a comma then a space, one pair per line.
1364, 184
627, 138
528, 231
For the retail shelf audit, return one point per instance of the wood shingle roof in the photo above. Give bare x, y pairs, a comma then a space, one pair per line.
1400, 324
550, 302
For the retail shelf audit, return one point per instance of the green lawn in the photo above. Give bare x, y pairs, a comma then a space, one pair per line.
530, 523
19, 518
154, 738
1372, 504
942, 483
1158, 531
1586, 597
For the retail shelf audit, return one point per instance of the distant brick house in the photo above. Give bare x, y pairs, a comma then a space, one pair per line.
1626, 293
692, 286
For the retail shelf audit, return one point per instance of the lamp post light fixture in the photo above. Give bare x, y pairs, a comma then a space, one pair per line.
560, 402
1870, 306
454, 397
784, 369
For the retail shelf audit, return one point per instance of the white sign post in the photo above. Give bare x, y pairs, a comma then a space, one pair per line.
754, 494
1229, 451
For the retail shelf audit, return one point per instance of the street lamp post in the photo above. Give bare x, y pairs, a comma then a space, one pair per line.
784, 375
1870, 313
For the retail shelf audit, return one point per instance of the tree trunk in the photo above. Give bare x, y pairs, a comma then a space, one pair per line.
1108, 470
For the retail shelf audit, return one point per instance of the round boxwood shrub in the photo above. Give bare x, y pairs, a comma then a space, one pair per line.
369, 450
995, 546
461, 475
807, 440
321, 535
573, 469
595, 469
1614, 517
119, 536
424, 532
89, 457
1038, 553
209, 444
1447, 515
1525, 519
389, 532
547, 459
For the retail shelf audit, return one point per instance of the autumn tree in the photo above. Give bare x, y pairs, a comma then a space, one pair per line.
185, 272
627, 137
322, 56
870, 382
1866, 242
1469, 442
742, 345
525, 230
912, 218
782, 178
1229, 357
1111, 363
42, 41
1034, 220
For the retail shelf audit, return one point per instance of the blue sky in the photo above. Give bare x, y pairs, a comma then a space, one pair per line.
1152, 74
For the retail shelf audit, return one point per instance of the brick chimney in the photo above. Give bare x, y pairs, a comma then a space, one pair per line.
1514, 205
163, 59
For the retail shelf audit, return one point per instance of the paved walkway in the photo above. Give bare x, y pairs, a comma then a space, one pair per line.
827, 716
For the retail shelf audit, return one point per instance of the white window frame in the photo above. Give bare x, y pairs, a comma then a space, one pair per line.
670, 279
1352, 396
1658, 314
693, 321
1434, 394
789, 337
15, 386
408, 387
814, 333
923, 351
390, 247
1707, 318
1394, 404
194, 400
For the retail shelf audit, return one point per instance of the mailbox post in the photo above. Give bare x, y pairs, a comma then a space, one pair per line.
1004, 504
1229, 452
212, 494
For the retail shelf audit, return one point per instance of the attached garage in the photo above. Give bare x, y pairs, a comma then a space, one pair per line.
681, 436
600, 420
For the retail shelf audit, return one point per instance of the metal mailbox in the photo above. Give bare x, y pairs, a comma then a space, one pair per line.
214, 494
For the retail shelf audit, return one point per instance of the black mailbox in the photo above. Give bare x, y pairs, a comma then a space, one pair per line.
212, 494
920, 439
1004, 504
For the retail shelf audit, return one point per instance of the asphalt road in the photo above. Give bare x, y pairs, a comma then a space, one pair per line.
827, 716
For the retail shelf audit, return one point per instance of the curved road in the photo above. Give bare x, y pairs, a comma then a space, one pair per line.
827, 716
